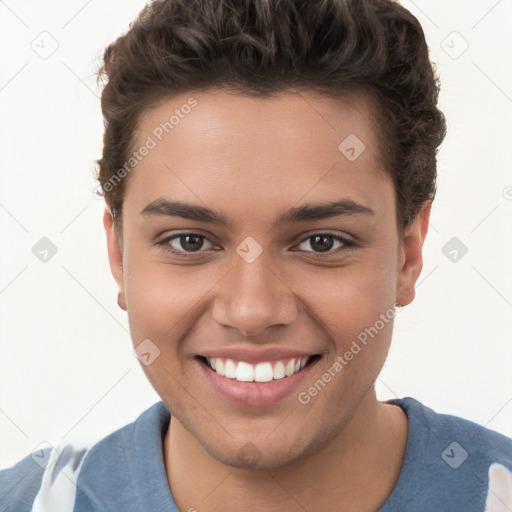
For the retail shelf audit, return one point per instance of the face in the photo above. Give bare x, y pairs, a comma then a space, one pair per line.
260, 241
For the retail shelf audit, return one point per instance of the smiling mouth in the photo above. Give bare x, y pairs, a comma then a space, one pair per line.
266, 371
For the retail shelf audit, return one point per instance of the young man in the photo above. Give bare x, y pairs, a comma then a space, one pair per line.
268, 169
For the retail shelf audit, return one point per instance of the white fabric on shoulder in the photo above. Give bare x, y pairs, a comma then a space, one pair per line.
58, 485
499, 496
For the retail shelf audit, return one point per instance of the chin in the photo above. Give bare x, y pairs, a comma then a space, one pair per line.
264, 453
249, 457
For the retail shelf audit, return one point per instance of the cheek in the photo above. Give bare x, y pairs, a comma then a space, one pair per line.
355, 308
356, 312
161, 309
352, 298
165, 301
156, 294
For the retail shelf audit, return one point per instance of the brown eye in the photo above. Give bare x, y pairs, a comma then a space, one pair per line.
185, 243
324, 242
191, 242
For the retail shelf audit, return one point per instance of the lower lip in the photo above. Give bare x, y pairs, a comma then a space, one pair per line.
255, 394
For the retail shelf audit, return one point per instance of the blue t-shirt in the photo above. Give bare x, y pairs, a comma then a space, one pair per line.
450, 464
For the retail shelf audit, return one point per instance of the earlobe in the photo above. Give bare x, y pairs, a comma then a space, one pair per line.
115, 255
121, 301
411, 256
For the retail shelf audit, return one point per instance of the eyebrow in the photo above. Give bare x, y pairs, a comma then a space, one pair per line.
303, 213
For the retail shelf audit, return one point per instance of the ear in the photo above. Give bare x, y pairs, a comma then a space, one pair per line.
115, 255
411, 256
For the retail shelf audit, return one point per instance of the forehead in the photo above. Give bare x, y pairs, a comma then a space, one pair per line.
254, 153
218, 117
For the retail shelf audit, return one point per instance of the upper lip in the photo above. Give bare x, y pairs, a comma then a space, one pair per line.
256, 356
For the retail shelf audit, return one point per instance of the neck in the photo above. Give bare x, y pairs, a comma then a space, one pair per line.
358, 468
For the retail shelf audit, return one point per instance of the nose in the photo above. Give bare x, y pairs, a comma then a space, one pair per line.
253, 297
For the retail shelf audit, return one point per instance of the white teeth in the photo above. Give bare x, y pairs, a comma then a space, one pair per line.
261, 372
290, 368
229, 369
244, 372
279, 370
219, 366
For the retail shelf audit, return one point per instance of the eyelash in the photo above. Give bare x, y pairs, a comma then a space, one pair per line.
164, 243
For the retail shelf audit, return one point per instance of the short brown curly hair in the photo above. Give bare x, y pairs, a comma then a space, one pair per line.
260, 47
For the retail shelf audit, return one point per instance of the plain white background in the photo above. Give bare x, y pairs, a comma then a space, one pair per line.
67, 372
